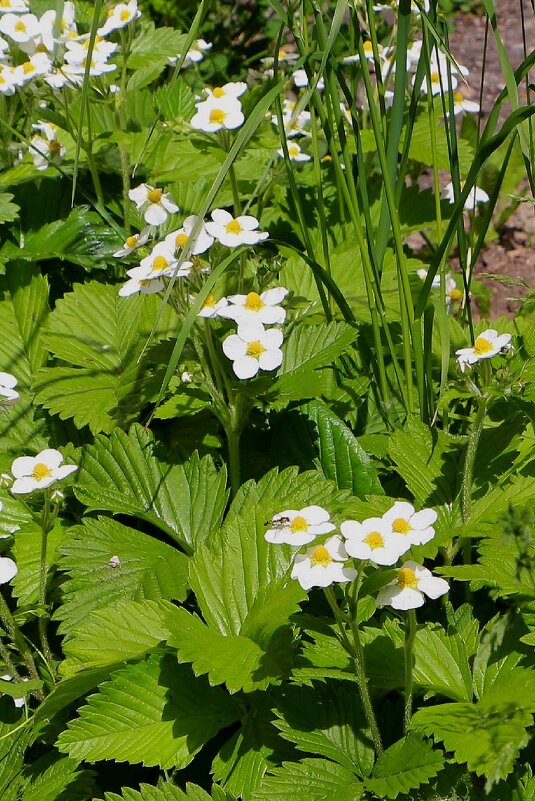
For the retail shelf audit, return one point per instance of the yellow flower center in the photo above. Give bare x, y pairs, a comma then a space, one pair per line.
374, 540
180, 240
456, 294
253, 302
144, 282
154, 195
482, 346
407, 578
124, 16
233, 227
210, 301
217, 116
401, 526
298, 524
255, 349
41, 48
2, 79
368, 48
320, 556
5, 3
41, 471
131, 241
282, 53
28, 67
293, 150
159, 263
435, 77
458, 98
20, 26
54, 146
110, 12
218, 92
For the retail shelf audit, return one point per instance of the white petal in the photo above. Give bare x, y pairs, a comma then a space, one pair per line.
65, 470
272, 338
233, 120
433, 587
51, 457
245, 367
314, 514
8, 569
270, 360
23, 466
401, 509
272, 297
23, 485
139, 194
423, 519
155, 214
9, 381
221, 217
247, 222
234, 347
272, 315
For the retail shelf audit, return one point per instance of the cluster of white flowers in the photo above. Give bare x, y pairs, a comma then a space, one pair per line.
165, 259
32, 52
194, 55
488, 344
379, 540
221, 109
296, 123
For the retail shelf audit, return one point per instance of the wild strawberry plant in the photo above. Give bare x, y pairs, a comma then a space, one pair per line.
267, 487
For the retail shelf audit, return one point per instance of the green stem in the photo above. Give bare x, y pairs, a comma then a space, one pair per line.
410, 634
470, 458
46, 525
11, 627
233, 445
356, 652
8, 662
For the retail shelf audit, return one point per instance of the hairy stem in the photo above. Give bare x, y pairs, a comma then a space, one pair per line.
410, 634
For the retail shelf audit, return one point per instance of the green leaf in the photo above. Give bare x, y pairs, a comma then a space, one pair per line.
487, 737
237, 565
236, 661
327, 720
309, 780
154, 712
441, 664
313, 346
108, 562
116, 634
313, 433
167, 792
14, 740
27, 550
102, 336
420, 146
153, 44
405, 766
54, 777
8, 211
122, 474
175, 101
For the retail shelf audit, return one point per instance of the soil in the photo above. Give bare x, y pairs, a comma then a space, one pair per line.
512, 255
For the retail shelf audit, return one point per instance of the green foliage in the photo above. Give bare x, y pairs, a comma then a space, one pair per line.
403, 767
312, 779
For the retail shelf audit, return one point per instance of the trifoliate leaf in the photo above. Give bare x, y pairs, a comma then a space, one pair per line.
154, 712
309, 780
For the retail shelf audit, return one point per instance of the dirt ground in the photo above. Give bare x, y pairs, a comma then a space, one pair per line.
513, 254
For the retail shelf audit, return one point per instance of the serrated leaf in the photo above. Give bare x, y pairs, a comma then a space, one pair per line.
237, 564
8, 211
166, 792
441, 664
313, 433
154, 712
309, 780
108, 562
236, 661
310, 347
116, 633
487, 737
175, 101
14, 740
154, 43
101, 336
327, 720
54, 777
405, 766
122, 474
27, 550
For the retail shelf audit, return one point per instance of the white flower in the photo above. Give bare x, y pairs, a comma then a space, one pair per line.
212, 307
488, 344
232, 231
147, 286
282, 57
475, 196
38, 64
461, 104
68, 28
299, 527
373, 539
13, 7
194, 55
8, 393
8, 80
133, 242
77, 50
38, 472
253, 349
20, 27
300, 78
19, 701
159, 262
178, 239
452, 292
119, 16
8, 569
154, 204
57, 79
294, 124
233, 89
414, 528
217, 113
75, 72
253, 307
45, 152
408, 589
294, 153
322, 565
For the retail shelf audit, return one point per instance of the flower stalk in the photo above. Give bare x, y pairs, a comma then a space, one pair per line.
410, 634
